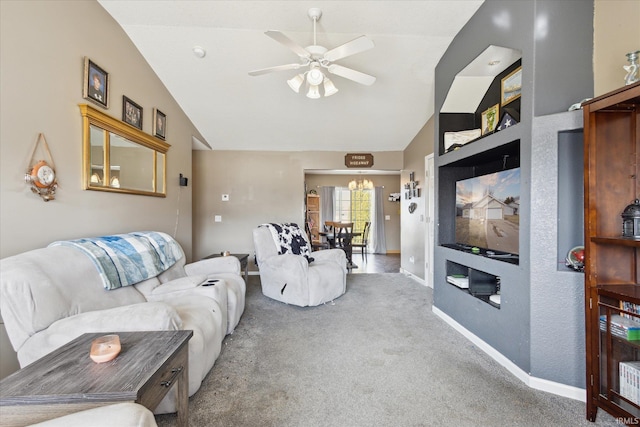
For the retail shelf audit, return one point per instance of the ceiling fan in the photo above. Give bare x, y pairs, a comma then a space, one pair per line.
318, 57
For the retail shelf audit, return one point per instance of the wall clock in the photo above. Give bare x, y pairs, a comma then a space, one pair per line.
42, 175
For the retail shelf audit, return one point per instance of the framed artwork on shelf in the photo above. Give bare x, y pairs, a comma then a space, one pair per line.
96, 83
511, 86
131, 113
159, 124
490, 119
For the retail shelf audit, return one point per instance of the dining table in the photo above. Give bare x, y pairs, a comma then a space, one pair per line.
345, 238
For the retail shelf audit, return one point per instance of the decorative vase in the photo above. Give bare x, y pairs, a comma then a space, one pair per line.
633, 72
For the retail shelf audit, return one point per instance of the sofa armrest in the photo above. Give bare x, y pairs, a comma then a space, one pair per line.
146, 316
223, 264
181, 284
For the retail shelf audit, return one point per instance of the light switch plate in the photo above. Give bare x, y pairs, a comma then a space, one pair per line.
225, 197
217, 218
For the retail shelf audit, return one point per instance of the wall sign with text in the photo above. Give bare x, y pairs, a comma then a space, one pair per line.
358, 160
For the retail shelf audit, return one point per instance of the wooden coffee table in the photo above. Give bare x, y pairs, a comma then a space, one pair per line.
67, 380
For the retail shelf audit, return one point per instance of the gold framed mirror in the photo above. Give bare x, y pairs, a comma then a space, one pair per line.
119, 158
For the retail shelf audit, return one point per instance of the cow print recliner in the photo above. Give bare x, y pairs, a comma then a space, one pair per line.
291, 273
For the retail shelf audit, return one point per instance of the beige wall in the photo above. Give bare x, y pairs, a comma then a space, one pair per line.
42, 45
617, 32
413, 225
391, 184
41, 48
262, 187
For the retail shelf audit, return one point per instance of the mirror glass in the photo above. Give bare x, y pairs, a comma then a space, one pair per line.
120, 158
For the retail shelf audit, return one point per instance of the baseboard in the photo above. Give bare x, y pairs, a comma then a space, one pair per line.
556, 388
393, 251
413, 276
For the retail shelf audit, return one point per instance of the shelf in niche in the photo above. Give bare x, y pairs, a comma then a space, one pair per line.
497, 256
479, 284
481, 145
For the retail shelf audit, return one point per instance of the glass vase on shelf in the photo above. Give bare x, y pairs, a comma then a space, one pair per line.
633, 71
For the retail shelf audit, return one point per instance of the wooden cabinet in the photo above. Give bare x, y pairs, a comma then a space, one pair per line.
313, 217
612, 262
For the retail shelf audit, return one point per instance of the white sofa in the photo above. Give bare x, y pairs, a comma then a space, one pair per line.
50, 296
120, 414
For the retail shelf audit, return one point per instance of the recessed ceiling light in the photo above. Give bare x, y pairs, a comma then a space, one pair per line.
495, 62
199, 52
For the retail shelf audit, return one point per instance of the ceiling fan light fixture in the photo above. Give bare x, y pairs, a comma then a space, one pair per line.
314, 92
295, 82
329, 87
315, 77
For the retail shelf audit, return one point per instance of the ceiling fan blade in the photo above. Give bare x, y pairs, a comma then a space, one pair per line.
356, 45
276, 68
295, 47
350, 74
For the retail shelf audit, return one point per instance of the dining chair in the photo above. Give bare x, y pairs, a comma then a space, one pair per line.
315, 244
329, 229
364, 241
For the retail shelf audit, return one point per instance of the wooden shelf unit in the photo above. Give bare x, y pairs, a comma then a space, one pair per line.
611, 165
313, 217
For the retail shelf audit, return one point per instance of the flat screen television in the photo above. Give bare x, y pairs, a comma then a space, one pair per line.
488, 212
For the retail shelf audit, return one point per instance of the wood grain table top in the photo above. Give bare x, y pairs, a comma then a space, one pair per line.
68, 375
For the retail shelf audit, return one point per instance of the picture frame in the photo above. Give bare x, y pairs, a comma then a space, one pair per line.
490, 118
131, 112
159, 124
511, 86
95, 86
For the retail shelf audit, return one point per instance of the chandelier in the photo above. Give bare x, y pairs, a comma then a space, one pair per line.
364, 184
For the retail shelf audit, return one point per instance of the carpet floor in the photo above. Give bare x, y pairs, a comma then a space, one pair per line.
377, 356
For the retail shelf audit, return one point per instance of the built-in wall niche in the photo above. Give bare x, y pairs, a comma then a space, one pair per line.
479, 207
570, 194
482, 285
484, 98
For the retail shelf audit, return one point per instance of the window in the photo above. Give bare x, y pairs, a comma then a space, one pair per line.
353, 206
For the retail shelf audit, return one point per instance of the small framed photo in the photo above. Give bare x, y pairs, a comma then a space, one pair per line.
159, 124
131, 113
511, 87
490, 119
96, 83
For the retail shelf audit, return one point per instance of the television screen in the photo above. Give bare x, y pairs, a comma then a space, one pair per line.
487, 211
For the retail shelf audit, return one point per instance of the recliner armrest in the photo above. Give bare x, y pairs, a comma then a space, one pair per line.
223, 264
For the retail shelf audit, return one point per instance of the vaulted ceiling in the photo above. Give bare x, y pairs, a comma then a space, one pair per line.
236, 111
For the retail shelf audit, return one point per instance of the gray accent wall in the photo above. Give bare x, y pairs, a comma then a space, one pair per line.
539, 326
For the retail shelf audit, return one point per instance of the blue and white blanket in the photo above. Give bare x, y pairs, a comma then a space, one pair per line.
126, 259
289, 239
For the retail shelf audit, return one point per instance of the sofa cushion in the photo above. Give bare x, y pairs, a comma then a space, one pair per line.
41, 286
127, 259
147, 316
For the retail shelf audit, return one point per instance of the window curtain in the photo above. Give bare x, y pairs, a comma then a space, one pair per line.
326, 205
378, 241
